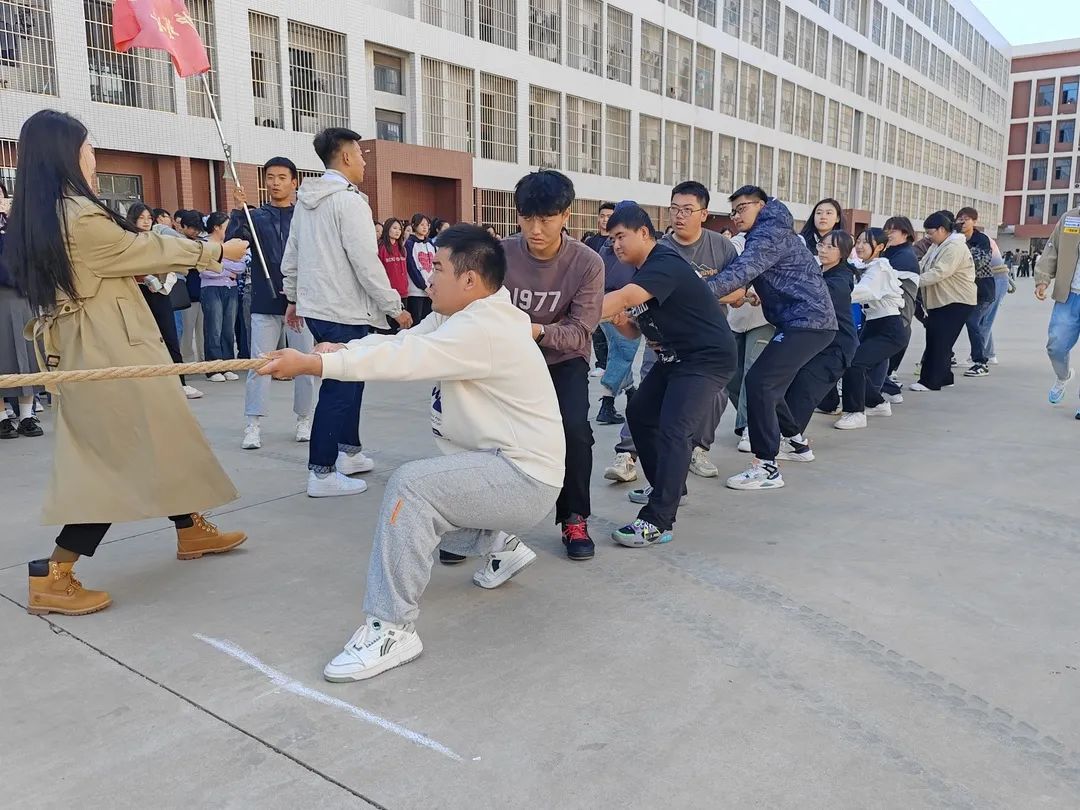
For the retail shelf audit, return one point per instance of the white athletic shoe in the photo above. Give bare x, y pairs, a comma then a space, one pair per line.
993, 360
231, 376
623, 469
744, 441
596, 372
884, 409
918, 386
303, 428
499, 566
700, 464
351, 465
252, 438
376, 647
759, 475
893, 399
851, 421
191, 392
219, 377
642, 496
790, 451
1057, 391
334, 484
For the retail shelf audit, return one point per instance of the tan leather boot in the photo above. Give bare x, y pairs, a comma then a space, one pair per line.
203, 537
54, 589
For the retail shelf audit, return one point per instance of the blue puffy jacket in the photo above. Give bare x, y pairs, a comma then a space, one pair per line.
785, 276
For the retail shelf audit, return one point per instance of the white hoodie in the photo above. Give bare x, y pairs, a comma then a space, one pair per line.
879, 290
494, 391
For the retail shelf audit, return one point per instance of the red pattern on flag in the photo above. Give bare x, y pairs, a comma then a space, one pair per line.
162, 25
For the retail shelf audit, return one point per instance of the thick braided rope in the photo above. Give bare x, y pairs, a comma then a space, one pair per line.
127, 372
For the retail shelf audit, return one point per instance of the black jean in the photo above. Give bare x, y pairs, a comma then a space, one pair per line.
943, 326
419, 306
814, 380
665, 415
161, 309
769, 378
336, 424
84, 538
599, 345
571, 379
881, 338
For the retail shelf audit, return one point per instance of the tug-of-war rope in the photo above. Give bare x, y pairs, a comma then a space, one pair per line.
128, 372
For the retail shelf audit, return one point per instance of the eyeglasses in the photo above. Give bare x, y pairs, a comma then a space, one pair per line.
683, 211
740, 208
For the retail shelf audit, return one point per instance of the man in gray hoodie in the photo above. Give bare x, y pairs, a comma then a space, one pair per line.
334, 280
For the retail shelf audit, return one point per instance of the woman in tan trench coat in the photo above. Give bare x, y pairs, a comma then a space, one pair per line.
125, 449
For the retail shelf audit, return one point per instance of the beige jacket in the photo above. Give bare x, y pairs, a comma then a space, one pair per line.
1061, 256
125, 449
948, 274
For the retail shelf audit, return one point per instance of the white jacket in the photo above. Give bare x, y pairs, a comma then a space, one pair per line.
331, 266
494, 390
879, 290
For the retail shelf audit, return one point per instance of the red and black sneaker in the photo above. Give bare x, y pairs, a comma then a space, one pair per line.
575, 536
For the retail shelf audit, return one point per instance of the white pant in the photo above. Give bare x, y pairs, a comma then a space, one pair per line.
266, 334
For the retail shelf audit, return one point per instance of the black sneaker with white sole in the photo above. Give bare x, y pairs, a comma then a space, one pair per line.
977, 370
449, 558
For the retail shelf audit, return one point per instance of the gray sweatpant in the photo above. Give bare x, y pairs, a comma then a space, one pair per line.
458, 503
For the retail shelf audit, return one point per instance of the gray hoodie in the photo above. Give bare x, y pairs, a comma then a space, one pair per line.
331, 266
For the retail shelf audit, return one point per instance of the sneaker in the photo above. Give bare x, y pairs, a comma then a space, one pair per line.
499, 566
884, 409
449, 558
639, 534
353, 464
231, 376
954, 363
376, 647
977, 370
1057, 392
303, 428
744, 442
894, 378
759, 475
794, 451
216, 377
642, 496
993, 360
918, 386
700, 464
252, 438
608, 415
575, 536
597, 372
30, 427
191, 392
9, 428
851, 421
893, 399
38, 407
334, 484
623, 469
834, 412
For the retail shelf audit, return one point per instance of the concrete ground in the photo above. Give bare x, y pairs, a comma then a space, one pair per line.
895, 629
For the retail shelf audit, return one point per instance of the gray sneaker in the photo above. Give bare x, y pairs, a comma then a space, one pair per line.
642, 496
701, 465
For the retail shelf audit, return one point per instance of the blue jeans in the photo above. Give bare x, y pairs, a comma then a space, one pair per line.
336, 426
1001, 289
219, 322
178, 319
621, 350
1063, 333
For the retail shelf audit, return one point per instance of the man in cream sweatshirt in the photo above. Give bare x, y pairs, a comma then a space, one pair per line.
495, 417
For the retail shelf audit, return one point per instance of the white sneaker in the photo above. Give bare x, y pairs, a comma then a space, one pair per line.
700, 464
303, 428
790, 451
231, 376
597, 372
884, 409
893, 399
191, 392
334, 484
1057, 392
759, 475
623, 469
851, 421
993, 360
252, 438
219, 377
835, 412
376, 647
351, 465
744, 441
499, 566
918, 386
642, 496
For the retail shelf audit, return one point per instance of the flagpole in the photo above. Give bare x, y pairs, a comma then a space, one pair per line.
236, 179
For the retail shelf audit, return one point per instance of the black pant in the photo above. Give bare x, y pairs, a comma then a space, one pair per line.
664, 416
943, 327
817, 378
881, 338
84, 538
769, 378
419, 306
599, 344
161, 309
571, 379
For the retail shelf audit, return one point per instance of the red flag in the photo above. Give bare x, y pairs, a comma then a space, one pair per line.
163, 25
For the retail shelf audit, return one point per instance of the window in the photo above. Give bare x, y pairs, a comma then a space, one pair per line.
1066, 131
749, 93
26, 47
676, 152
619, 34
584, 35
787, 106
751, 30
704, 73
1041, 133
846, 137
729, 82
815, 179
731, 17
1069, 89
701, 168
685, 6
1062, 169
791, 36
617, 136
202, 15
139, 78
388, 74
545, 127
265, 70
817, 131
768, 100
389, 126
1044, 95
119, 191
706, 11
652, 57
545, 31
747, 163
837, 74
450, 15
318, 78
1035, 207
679, 59
649, 143
498, 118
583, 145
807, 33
800, 180
772, 26
783, 176
1038, 171
498, 22
1059, 204
8, 162
833, 124
765, 168
804, 101
725, 164
821, 54
447, 105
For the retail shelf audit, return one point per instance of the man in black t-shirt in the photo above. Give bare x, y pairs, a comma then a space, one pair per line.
668, 303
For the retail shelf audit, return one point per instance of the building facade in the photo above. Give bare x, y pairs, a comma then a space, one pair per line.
1042, 172
890, 106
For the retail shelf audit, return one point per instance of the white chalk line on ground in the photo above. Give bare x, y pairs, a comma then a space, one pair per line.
283, 681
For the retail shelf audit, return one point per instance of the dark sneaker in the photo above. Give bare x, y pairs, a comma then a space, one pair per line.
575, 536
977, 370
30, 427
608, 415
447, 558
8, 429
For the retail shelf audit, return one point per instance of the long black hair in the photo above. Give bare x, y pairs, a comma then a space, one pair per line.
385, 239
48, 171
135, 210
809, 232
